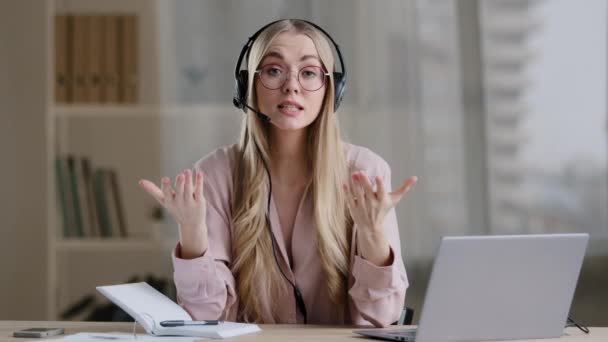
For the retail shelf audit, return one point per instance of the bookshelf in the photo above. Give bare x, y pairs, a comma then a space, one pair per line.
124, 136
153, 136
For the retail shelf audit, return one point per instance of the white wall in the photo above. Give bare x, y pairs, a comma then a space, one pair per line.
23, 159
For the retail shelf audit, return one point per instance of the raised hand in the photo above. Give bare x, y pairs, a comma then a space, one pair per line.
368, 208
186, 204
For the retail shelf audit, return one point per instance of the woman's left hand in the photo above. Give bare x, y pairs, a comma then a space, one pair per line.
368, 207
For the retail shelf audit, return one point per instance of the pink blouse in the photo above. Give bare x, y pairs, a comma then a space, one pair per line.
206, 286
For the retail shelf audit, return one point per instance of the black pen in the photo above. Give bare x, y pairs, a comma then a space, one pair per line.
169, 324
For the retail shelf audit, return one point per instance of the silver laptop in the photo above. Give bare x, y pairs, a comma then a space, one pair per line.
506, 287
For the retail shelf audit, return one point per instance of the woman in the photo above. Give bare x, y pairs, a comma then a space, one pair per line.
287, 226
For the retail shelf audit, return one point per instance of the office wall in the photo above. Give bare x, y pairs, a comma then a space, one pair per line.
23, 159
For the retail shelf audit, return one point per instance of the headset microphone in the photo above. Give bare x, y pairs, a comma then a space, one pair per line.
265, 118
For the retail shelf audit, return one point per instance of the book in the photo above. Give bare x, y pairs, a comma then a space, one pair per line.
63, 192
114, 203
149, 307
77, 230
101, 203
85, 210
87, 174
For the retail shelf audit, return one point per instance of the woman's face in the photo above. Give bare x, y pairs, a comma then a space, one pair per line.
291, 106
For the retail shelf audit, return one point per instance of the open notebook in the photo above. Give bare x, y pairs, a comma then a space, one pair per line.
149, 307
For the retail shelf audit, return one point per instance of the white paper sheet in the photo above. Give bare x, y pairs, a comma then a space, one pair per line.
122, 336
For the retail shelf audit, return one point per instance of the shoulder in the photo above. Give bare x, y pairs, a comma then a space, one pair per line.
361, 158
219, 158
217, 165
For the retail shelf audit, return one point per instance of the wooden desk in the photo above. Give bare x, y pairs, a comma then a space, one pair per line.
270, 333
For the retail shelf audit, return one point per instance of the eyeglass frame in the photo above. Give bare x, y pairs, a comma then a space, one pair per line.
325, 74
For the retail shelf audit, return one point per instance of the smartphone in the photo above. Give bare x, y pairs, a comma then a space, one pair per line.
38, 332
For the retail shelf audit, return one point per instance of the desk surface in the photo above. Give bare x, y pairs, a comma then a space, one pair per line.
270, 332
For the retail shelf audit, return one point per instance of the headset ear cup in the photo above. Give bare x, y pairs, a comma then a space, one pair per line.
339, 87
241, 89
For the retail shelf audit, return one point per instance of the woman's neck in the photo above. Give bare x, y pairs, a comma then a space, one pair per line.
290, 165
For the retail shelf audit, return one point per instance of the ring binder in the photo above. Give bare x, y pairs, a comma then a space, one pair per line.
149, 307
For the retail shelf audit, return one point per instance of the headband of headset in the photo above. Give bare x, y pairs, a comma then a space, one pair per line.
241, 76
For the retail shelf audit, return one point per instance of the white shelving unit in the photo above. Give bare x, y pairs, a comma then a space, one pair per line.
156, 137
126, 138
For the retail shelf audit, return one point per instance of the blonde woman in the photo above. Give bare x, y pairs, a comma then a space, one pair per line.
290, 225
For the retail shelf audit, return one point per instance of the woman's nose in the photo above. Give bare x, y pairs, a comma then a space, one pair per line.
291, 83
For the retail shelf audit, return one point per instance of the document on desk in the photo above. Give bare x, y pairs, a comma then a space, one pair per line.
122, 336
150, 308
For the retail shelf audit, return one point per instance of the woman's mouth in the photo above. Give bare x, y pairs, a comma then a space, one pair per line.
291, 109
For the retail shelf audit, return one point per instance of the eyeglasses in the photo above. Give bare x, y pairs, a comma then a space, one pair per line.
311, 78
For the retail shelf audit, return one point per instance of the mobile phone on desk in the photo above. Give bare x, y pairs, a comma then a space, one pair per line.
38, 332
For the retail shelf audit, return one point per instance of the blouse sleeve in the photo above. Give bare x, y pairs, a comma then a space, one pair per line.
205, 285
377, 293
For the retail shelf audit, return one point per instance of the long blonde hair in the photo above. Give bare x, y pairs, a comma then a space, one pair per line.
253, 262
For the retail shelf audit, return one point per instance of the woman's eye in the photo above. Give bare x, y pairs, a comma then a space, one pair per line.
309, 73
273, 71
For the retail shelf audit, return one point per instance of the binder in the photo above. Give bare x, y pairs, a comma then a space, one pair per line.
129, 77
68, 55
61, 63
109, 65
96, 58
93, 65
150, 307
79, 58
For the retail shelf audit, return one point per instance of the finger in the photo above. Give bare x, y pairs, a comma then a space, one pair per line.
152, 189
380, 190
187, 184
350, 200
357, 191
405, 187
366, 185
198, 188
166, 188
179, 186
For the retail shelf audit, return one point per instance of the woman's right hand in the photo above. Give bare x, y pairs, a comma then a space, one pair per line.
187, 205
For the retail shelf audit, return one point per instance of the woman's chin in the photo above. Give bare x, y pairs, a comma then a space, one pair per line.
292, 126
289, 123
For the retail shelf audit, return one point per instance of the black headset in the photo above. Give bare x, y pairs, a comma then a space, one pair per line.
241, 76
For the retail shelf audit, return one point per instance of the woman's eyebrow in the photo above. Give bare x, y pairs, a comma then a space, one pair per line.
280, 56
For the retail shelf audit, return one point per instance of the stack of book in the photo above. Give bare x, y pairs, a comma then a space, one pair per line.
96, 58
89, 199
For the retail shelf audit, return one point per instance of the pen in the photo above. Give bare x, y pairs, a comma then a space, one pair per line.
169, 324
105, 337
